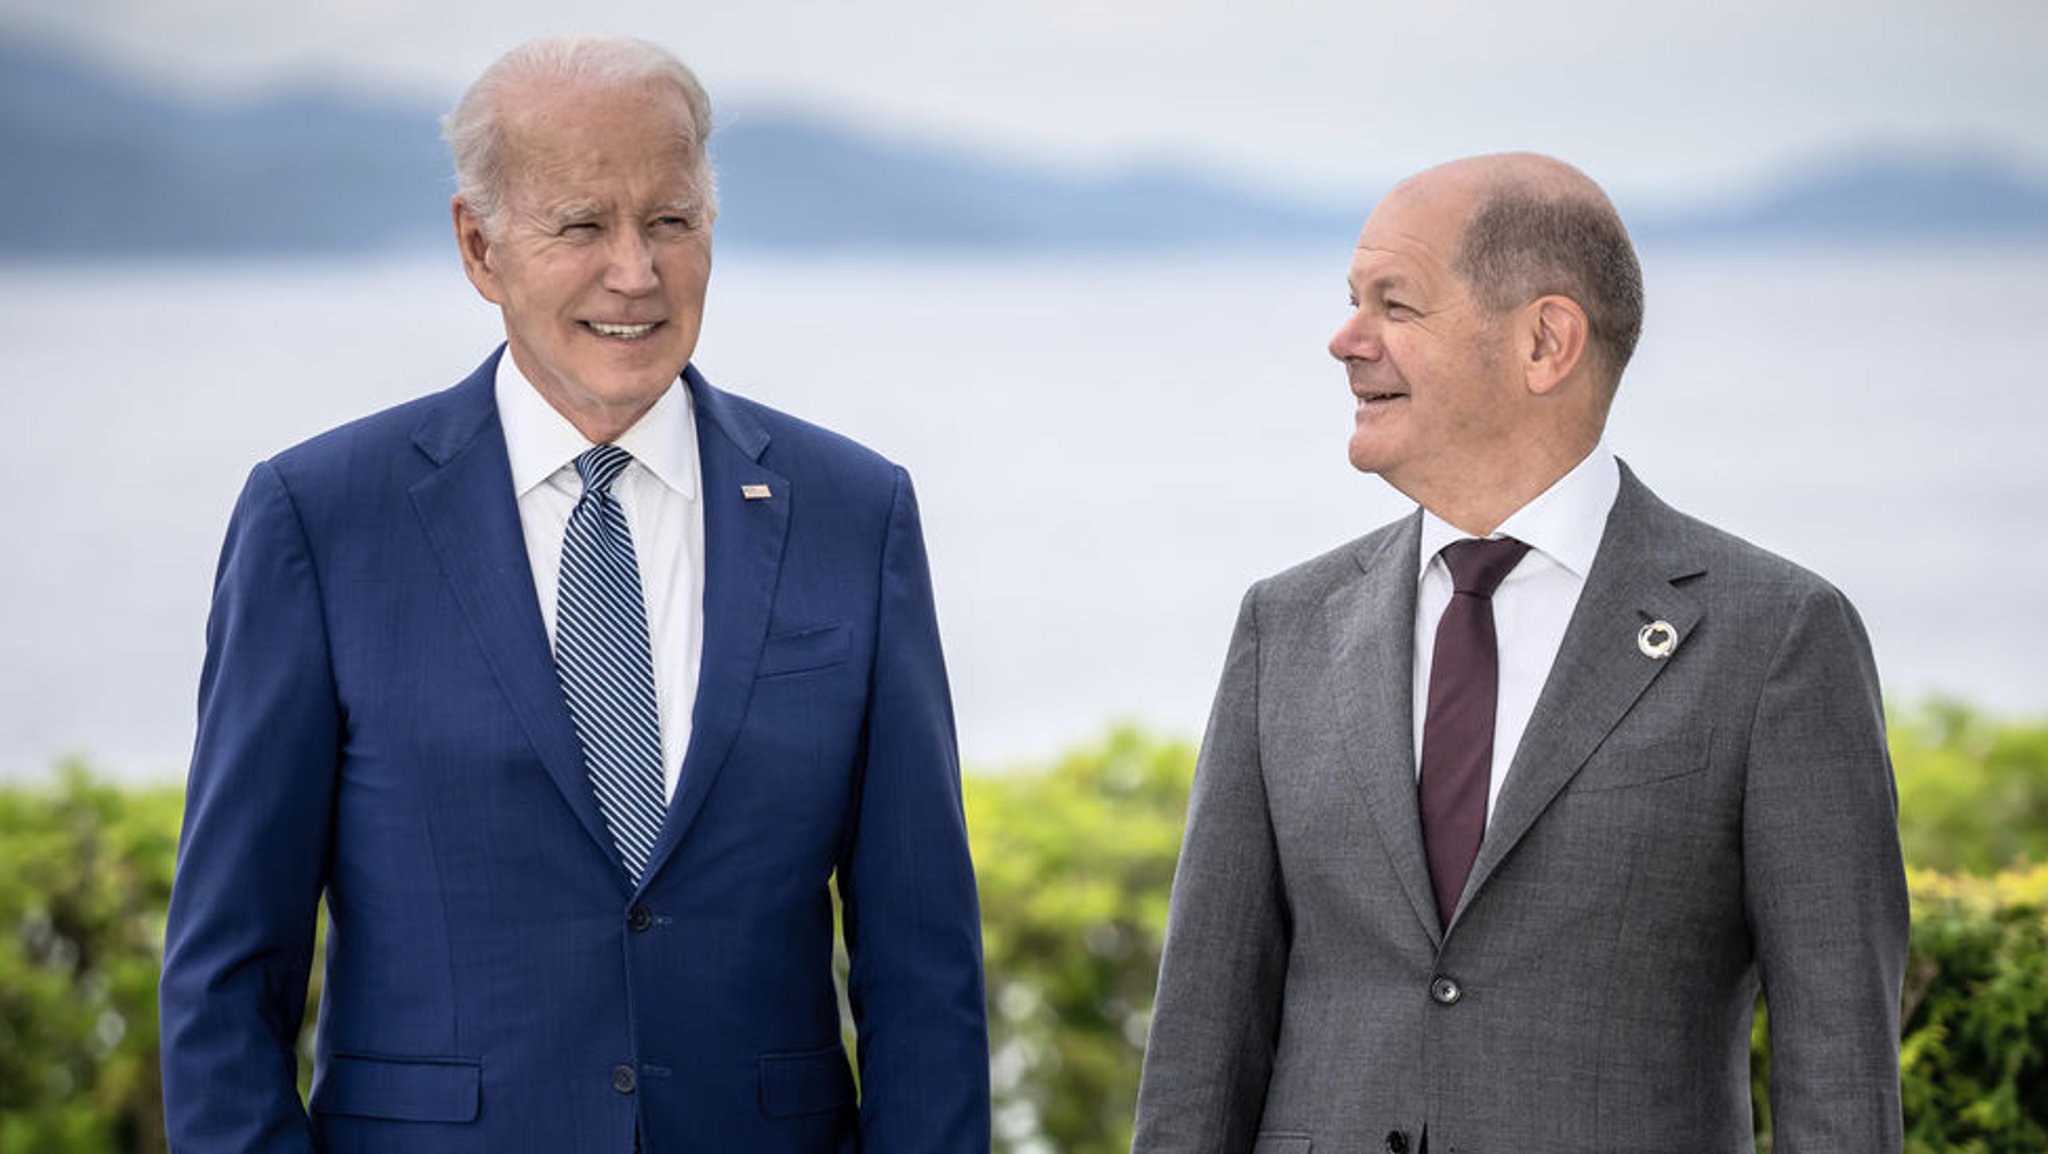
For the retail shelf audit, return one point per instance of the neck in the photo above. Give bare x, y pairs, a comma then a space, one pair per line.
1478, 518
1475, 499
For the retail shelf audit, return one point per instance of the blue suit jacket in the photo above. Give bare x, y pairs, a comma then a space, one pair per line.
380, 724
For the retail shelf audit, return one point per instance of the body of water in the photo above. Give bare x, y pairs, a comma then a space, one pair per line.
1107, 453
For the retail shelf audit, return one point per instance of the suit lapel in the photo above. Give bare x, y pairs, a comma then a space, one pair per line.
1599, 672
471, 516
743, 542
1371, 623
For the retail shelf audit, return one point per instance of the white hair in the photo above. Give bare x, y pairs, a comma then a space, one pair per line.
475, 131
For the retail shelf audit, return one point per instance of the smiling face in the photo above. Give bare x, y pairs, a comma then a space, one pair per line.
601, 254
1433, 374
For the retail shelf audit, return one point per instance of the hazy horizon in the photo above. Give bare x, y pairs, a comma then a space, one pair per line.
1690, 101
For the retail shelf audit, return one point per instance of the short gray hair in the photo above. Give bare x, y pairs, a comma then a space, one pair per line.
475, 131
1520, 244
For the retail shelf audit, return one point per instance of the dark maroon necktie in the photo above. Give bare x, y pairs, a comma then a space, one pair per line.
1457, 732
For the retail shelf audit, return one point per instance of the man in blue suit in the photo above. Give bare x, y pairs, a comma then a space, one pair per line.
571, 689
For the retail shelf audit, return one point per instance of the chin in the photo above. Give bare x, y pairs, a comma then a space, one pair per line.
1365, 457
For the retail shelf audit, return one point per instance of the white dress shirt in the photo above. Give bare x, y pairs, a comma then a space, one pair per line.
1533, 605
658, 492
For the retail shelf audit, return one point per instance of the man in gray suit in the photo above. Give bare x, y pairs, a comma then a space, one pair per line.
1502, 871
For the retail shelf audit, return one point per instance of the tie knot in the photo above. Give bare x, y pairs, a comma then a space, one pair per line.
1479, 566
600, 465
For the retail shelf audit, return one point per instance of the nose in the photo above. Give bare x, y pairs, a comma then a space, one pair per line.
1356, 339
629, 263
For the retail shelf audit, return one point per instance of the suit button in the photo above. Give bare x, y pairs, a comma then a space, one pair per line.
1397, 1142
623, 1080
639, 918
1446, 991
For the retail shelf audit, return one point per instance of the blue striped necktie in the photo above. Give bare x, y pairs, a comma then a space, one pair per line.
605, 663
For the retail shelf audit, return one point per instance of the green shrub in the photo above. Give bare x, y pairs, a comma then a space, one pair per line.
1075, 862
1974, 1064
1973, 791
85, 872
1081, 856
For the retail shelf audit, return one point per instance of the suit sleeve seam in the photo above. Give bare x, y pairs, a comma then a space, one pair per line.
305, 546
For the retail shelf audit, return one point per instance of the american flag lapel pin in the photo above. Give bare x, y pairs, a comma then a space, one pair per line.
755, 492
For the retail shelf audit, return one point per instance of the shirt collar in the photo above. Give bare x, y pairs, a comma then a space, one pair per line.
541, 442
1564, 523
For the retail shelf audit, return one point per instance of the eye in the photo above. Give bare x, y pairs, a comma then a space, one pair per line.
673, 222
1398, 308
580, 229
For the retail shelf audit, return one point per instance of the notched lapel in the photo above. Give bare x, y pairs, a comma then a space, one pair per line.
471, 516
1371, 624
744, 534
1600, 672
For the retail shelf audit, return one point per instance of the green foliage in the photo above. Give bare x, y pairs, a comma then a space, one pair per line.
1084, 853
1973, 791
1974, 1063
1075, 864
85, 872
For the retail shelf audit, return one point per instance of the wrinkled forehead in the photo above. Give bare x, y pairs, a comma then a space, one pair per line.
1413, 233
553, 111
646, 136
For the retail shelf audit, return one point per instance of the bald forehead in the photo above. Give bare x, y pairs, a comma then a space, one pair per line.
1447, 195
1421, 219
1425, 216
1475, 176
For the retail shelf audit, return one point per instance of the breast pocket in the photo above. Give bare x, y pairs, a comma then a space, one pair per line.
1630, 762
802, 651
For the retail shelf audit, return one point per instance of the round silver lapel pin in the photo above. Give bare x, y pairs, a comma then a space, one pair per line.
1657, 640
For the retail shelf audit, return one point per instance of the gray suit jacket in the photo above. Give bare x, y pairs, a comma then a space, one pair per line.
1672, 835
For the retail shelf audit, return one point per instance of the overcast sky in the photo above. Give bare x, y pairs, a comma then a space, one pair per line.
1666, 99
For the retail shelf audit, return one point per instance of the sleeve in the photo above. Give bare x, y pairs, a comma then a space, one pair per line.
245, 897
912, 918
1217, 1014
1825, 887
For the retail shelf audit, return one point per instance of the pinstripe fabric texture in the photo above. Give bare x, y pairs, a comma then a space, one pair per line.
605, 662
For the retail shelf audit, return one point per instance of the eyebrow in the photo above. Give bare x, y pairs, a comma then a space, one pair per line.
573, 211
1382, 283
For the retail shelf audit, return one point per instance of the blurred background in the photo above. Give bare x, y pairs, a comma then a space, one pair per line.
1074, 264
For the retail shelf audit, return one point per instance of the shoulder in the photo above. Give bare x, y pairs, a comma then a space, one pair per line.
790, 445
1311, 582
419, 432
1643, 523
1764, 606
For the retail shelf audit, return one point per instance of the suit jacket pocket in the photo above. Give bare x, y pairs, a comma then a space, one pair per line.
1281, 1144
401, 1089
808, 649
1624, 763
805, 1082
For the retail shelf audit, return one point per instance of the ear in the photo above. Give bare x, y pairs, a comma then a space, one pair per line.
1554, 335
476, 246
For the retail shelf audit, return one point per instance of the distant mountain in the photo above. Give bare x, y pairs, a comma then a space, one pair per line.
785, 180
1876, 196
96, 164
